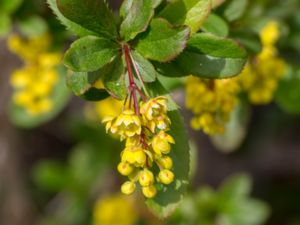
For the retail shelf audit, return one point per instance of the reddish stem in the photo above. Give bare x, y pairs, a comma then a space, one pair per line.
132, 86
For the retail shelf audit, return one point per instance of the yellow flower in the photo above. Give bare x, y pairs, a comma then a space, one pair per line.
125, 168
47, 59
146, 178
127, 124
134, 155
29, 49
146, 141
114, 210
40, 106
154, 113
211, 101
161, 143
270, 33
21, 77
165, 162
154, 107
128, 187
149, 191
23, 98
35, 81
261, 75
166, 176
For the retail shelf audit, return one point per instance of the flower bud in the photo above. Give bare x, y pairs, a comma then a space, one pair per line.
128, 156
166, 176
140, 157
125, 169
146, 178
149, 192
128, 188
166, 162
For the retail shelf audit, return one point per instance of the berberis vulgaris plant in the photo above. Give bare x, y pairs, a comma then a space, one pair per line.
130, 54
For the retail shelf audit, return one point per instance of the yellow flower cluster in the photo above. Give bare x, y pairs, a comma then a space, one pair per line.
114, 210
34, 82
261, 75
147, 145
211, 101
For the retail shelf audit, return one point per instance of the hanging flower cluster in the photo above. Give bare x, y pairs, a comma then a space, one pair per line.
261, 75
147, 143
35, 81
143, 125
211, 102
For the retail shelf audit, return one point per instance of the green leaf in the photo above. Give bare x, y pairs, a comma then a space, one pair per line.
127, 4
81, 82
168, 199
235, 129
249, 39
162, 42
235, 9
114, 78
5, 24
156, 3
235, 187
125, 7
90, 53
93, 15
206, 56
95, 94
216, 25
215, 46
172, 83
60, 98
249, 212
217, 3
33, 26
73, 27
287, 95
192, 13
146, 69
50, 176
137, 19
9, 6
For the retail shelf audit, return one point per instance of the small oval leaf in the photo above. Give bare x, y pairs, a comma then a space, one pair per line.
162, 42
90, 53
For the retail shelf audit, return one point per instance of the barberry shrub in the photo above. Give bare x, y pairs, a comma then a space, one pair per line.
130, 54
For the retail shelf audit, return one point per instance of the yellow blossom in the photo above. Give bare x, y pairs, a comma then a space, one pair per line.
166, 176
161, 143
146, 140
154, 113
261, 75
128, 187
270, 33
154, 107
146, 178
134, 155
114, 210
211, 101
35, 81
165, 162
149, 191
125, 168
127, 124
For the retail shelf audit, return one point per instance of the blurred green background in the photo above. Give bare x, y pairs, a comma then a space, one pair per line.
63, 171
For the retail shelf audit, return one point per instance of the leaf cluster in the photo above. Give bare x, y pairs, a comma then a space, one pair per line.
165, 37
